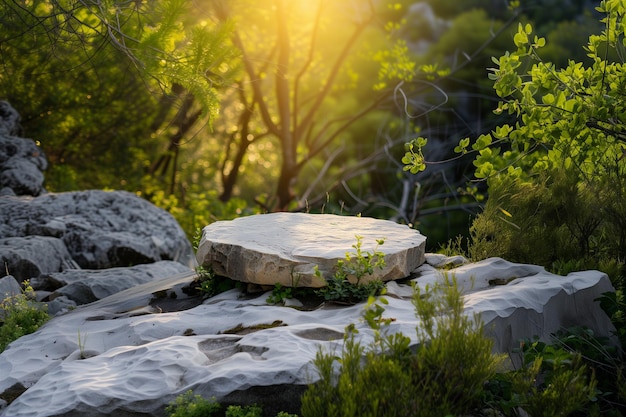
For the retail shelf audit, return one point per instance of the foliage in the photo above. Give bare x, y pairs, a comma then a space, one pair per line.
345, 285
247, 411
280, 293
20, 316
210, 284
528, 221
190, 405
65, 61
445, 375
555, 177
454, 358
309, 72
614, 306
552, 381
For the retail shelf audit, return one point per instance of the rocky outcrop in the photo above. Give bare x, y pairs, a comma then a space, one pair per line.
21, 161
9, 119
47, 237
237, 348
286, 247
83, 286
30, 256
100, 229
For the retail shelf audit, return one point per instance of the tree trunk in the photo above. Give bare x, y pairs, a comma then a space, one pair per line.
288, 169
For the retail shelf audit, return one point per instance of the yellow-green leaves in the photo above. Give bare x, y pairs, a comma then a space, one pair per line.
413, 159
462, 146
395, 65
521, 37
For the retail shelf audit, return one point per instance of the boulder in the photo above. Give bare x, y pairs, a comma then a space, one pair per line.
21, 166
22, 162
100, 229
9, 287
9, 119
285, 247
237, 348
30, 256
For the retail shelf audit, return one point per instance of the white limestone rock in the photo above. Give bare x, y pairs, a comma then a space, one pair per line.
139, 363
84, 286
285, 247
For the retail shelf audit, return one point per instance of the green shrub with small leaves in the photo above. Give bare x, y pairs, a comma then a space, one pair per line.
190, 405
20, 315
549, 219
209, 284
345, 285
552, 381
445, 375
243, 411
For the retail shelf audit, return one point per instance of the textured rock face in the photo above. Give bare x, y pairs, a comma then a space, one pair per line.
285, 247
30, 256
85, 286
99, 229
21, 166
21, 161
138, 363
9, 287
9, 119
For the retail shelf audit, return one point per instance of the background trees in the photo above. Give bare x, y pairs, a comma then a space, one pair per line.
216, 109
97, 82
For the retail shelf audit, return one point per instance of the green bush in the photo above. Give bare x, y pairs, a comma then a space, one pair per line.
552, 382
247, 411
20, 316
536, 222
190, 405
345, 285
445, 375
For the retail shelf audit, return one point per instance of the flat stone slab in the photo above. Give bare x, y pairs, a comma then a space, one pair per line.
284, 248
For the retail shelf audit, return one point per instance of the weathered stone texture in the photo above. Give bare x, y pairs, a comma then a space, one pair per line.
285, 247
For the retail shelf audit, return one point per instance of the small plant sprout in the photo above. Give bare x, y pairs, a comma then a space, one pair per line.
82, 339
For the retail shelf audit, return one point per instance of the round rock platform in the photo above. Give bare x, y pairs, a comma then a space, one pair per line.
284, 248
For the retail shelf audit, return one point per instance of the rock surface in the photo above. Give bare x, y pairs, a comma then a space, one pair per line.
30, 256
138, 360
21, 166
9, 119
21, 161
9, 287
84, 286
99, 229
285, 247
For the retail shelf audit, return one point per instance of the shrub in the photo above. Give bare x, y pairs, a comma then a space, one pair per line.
21, 316
247, 411
345, 285
552, 382
445, 375
540, 222
190, 405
